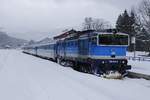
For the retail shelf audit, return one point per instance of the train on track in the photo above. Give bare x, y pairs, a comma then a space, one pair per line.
101, 53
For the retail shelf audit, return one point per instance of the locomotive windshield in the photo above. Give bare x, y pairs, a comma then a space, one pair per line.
113, 39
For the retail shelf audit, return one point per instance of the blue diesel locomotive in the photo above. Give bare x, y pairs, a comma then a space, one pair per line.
101, 53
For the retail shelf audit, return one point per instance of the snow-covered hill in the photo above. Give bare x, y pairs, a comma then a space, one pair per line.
24, 77
10, 42
43, 41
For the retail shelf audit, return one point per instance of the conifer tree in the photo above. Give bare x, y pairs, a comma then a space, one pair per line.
126, 24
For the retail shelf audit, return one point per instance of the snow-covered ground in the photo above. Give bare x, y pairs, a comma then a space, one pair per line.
139, 66
24, 77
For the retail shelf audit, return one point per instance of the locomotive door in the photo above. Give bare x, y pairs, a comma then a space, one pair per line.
83, 47
56, 50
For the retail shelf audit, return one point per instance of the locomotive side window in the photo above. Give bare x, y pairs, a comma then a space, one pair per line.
113, 39
94, 40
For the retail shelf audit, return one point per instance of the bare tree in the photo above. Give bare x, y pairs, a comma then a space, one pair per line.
87, 25
144, 10
95, 24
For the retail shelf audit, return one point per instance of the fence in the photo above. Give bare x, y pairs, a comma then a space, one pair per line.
138, 58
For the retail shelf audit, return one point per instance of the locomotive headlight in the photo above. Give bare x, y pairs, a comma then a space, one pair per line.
103, 62
123, 62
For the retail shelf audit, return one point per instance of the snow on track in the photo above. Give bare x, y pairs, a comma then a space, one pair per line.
24, 77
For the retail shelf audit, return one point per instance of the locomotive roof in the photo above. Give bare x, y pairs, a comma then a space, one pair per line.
74, 33
65, 34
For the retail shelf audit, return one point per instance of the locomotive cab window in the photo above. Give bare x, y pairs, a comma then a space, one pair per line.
113, 39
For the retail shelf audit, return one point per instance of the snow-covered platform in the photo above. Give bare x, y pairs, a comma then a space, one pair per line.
139, 66
24, 77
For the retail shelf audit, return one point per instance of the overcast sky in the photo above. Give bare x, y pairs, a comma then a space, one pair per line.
36, 19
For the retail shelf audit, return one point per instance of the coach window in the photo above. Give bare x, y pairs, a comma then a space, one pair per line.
68, 44
75, 43
72, 43
45, 47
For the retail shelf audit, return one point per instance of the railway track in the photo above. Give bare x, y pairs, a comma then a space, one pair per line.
138, 75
